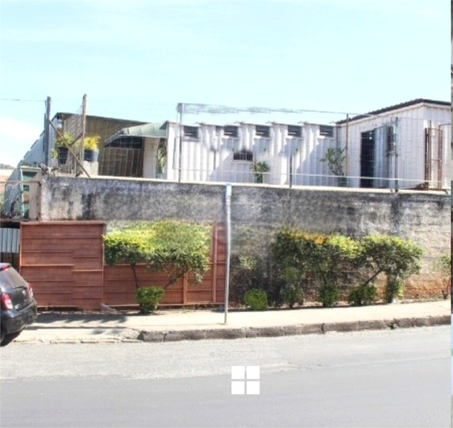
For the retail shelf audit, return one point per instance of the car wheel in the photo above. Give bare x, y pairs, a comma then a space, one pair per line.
8, 338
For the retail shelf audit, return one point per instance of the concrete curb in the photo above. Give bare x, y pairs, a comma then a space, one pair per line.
292, 330
136, 336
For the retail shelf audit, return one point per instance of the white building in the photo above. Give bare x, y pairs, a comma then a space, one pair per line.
404, 146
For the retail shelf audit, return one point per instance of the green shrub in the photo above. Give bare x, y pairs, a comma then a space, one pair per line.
64, 140
148, 298
328, 295
256, 300
323, 261
397, 258
363, 295
174, 247
443, 266
291, 295
253, 266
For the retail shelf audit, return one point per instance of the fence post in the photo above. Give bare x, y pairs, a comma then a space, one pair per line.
228, 247
396, 155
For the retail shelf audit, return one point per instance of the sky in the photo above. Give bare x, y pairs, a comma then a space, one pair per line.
137, 59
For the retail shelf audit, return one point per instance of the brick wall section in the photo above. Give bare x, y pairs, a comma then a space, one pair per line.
420, 216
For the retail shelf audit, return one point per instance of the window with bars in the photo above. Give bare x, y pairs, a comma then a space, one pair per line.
243, 155
190, 132
262, 131
294, 131
230, 131
326, 131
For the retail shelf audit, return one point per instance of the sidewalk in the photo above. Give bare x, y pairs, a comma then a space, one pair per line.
173, 325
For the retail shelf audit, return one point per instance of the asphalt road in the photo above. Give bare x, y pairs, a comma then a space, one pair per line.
369, 379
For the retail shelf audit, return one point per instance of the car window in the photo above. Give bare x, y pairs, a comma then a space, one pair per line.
11, 278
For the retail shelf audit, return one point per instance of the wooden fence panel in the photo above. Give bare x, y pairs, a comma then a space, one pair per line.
64, 261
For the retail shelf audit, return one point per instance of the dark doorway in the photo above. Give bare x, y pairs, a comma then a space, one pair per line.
367, 159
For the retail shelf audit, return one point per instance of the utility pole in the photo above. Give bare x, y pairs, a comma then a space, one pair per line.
46, 143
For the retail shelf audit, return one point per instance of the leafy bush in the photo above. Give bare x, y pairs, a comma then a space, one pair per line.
328, 295
148, 298
291, 295
64, 140
443, 266
256, 299
397, 258
363, 295
325, 262
173, 247
252, 265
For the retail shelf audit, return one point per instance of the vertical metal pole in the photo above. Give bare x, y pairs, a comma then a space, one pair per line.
291, 168
396, 155
47, 156
346, 168
84, 113
181, 130
440, 158
228, 247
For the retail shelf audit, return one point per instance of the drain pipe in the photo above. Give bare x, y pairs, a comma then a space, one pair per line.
228, 246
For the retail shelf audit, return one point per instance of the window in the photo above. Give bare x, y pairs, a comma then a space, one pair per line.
230, 131
294, 131
127, 143
243, 155
191, 131
326, 131
262, 131
390, 139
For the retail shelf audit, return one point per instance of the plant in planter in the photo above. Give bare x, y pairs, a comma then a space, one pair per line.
335, 158
90, 146
259, 168
62, 142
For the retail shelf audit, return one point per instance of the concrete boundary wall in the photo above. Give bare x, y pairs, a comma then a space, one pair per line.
423, 217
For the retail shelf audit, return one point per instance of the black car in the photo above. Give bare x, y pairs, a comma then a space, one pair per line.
18, 308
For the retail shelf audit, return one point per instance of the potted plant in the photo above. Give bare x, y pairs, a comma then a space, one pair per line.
62, 142
90, 146
259, 168
335, 158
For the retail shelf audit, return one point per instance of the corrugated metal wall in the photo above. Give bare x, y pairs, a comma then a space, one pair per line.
410, 125
210, 157
9, 245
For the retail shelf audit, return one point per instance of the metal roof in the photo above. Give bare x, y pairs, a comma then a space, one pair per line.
150, 130
396, 107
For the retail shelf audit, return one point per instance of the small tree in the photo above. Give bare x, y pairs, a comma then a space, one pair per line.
127, 246
173, 247
397, 258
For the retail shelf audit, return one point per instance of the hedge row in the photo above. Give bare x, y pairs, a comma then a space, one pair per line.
296, 263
